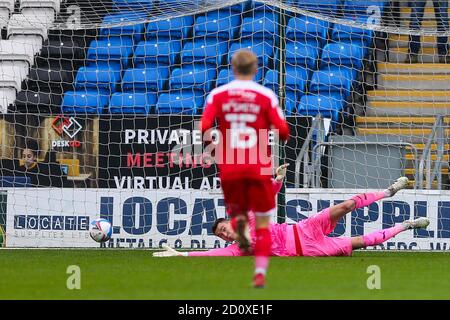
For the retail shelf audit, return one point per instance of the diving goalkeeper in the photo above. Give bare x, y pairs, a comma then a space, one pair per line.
309, 237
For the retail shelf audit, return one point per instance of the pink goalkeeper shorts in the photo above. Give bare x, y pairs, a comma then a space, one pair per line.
314, 240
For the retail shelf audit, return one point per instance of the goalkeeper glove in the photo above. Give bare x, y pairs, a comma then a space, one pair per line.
169, 252
281, 172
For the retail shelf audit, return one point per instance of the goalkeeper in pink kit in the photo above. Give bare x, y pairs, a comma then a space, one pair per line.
309, 237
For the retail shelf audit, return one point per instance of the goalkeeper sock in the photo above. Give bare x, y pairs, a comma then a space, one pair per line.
364, 199
262, 250
381, 236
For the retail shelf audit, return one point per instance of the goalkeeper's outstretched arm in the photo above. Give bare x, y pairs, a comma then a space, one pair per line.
231, 250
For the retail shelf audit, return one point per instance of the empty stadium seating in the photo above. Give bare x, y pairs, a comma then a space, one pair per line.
204, 52
191, 78
336, 82
352, 34
301, 54
53, 74
43, 10
295, 85
126, 102
328, 106
15, 61
179, 102
217, 25
105, 80
145, 79
259, 29
89, 101
157, 53
124, 24
170, 29
342, 54
6, 8
30, 44
225, 76
180, 60
114, 52
263, 50
308, 30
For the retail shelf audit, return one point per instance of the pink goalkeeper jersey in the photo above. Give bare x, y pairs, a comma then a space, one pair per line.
283, 243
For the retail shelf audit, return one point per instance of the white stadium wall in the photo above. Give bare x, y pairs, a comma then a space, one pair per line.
182, 218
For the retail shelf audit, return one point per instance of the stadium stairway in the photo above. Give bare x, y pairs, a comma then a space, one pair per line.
409, 97
399, 43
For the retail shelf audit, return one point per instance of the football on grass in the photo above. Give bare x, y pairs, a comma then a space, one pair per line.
100, 230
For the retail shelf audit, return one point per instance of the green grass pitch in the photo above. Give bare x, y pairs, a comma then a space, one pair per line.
135, 274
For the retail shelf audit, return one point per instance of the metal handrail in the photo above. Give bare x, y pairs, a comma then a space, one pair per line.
305, 149
440, 153
426, 154
405, 144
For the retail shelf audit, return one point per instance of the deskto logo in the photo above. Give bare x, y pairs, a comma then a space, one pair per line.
66, 127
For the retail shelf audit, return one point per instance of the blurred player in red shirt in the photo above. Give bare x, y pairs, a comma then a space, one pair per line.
245, 112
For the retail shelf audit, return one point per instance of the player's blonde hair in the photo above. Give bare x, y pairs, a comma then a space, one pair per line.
244, 62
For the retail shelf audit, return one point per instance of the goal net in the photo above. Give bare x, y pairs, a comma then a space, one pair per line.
101, 100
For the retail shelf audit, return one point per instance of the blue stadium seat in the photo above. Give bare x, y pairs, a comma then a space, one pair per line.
172, 28
342, 53
89, 101
179, 102
225, 76
293, 90
272, 80
217, 25
193, 78
111, 25
301, 54
93, 78
262, 10
114, 52
333, 81
268, 14
262, 28
295, 80
308, 29
328, 106
323, 6
126, 103
204, 52
154, 52
145, 79
263, 50
352, 34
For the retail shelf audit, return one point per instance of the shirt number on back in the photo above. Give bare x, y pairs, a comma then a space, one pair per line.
242, 136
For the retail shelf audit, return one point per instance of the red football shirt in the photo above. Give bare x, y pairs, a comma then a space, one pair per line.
245, 112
